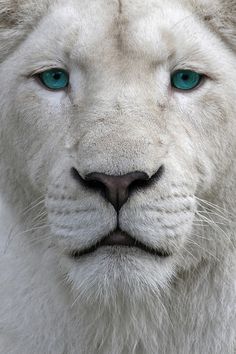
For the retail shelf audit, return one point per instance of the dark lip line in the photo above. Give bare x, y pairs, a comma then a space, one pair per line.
155, 252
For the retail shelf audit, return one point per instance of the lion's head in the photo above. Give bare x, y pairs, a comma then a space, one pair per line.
121, 114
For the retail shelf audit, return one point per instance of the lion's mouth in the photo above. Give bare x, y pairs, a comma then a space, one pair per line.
120, 238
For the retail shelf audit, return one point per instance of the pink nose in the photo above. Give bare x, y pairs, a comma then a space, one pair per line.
117, 189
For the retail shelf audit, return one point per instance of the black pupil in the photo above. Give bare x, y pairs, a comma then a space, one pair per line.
57, 76
185, 77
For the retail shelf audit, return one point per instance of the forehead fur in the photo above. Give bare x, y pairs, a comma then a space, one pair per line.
19, 17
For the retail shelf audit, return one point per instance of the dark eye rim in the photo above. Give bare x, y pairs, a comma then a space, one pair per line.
202, 78
38, 77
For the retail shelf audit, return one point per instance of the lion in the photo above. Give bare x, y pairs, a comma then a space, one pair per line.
118, 177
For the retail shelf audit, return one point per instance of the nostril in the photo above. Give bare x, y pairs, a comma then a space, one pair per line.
158, 174
77, 177
75, 174
147, 182
86, 182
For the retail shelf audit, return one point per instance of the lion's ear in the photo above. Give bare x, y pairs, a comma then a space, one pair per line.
221, 16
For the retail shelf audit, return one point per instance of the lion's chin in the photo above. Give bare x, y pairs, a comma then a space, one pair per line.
111, 272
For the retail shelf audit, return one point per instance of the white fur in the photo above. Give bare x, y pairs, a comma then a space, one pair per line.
119, 115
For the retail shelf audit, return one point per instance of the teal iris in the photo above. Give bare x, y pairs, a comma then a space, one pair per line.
185, 79
54, 79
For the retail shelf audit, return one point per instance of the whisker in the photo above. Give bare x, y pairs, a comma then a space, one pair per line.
11, 236
216, 227
204, 249
216, 207
40, 200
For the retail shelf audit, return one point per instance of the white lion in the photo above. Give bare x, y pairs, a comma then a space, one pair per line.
118, 176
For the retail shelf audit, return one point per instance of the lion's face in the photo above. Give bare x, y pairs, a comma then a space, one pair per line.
120, 154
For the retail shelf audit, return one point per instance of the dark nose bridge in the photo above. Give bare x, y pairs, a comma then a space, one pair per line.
116, 188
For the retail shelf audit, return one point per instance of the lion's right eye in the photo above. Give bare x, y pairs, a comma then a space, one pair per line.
185, 80
54, 79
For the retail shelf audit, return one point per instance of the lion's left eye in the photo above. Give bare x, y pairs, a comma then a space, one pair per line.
185, 79
54, 79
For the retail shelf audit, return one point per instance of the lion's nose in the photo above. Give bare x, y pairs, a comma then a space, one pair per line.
116, 189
